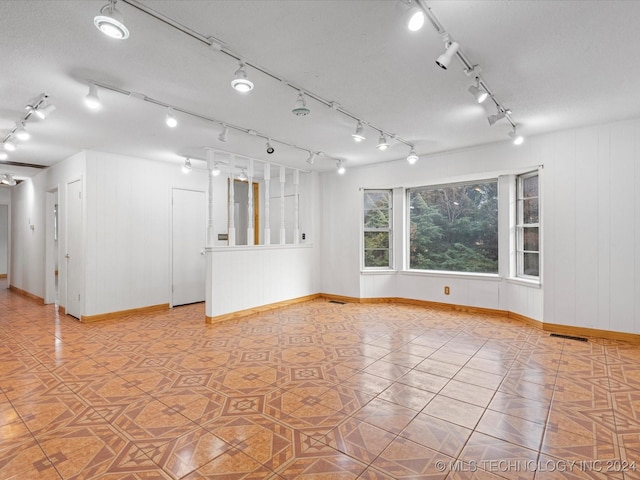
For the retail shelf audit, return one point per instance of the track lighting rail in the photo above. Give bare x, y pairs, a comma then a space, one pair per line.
466, 63
223, 124
222, 48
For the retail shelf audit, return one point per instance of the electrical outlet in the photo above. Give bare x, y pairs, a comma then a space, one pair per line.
304, 236
447, 290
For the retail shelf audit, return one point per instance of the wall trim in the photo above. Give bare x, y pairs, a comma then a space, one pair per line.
547, 327
260, 309
3, 275
26, 294
123, 313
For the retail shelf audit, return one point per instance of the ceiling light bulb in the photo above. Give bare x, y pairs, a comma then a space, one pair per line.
170, 120
110, 23
517, 139
270, 149
300, 109
7, 179
412, 157
21, 132
312, 158
4, 155
480, 94
223, 134
92, 100
498, 116
9, 145
242, 176
216, 170
444, 60
241, 83
358, 135
186, 166
43, 112
383, 144
341, 168
416, 18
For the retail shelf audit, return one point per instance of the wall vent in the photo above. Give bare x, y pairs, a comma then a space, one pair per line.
569, 337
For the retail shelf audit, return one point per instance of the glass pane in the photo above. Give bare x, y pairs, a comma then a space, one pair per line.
531, 239
376, 219
454, 228
531, 264
530, 211
376, 258
376, 200
373, 240
530, 186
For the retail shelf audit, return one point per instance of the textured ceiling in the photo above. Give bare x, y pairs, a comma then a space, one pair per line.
555, 64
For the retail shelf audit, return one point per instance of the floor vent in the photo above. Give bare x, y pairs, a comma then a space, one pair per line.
569, 337
336, 301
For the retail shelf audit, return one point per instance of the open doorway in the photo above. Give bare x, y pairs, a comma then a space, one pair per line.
241, 211
52, 261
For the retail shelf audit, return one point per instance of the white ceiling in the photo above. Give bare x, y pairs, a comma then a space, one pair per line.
555, 64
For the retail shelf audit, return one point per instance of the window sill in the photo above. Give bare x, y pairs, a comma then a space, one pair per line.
525, 282
379, 271
494, 277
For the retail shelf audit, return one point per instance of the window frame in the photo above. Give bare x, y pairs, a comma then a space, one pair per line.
388, 230
520, 227
407, 229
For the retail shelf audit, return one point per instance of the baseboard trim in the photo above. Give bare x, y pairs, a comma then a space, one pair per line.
260, 309
123, 313
26, 294
3, 275
553, 328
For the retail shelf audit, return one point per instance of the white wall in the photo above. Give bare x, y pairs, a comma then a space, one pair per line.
28, 202
591, 223
128, 249
4, 238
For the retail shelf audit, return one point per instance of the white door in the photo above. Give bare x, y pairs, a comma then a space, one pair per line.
73, 255
188, 240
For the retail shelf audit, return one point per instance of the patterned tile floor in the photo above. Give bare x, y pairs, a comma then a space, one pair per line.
314, 391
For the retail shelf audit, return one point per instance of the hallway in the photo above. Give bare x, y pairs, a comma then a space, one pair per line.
318, 390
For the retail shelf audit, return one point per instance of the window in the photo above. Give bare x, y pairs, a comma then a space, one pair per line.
377, 228
528, 227
454, 227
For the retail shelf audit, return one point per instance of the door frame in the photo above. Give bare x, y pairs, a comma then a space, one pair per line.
64, 219
171, 189
256, 208
51, 257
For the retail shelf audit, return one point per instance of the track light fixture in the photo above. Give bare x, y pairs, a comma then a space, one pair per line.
223, 134
241, 83
312, 158
216, 170
383, 143
41, 108
186, 166
242, 176
340, 167
444, 60
7, 179
478, 92
110, 21
412, 157
92, 100
415, 16
270, 149
358, 135
21, 132
170, 119
502, 113
517, 139
300, 109
9, 145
